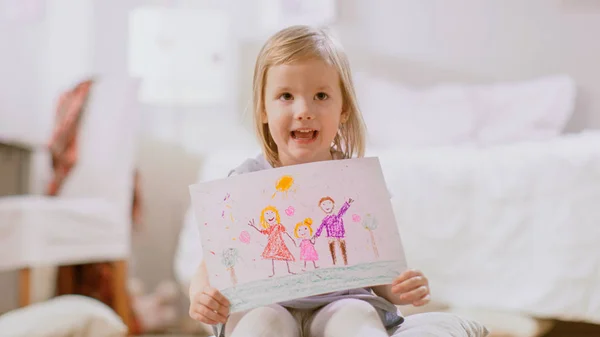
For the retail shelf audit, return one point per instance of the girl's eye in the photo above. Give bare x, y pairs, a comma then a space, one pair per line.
321, 96
286, 96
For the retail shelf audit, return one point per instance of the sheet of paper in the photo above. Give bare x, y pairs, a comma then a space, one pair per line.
291, 232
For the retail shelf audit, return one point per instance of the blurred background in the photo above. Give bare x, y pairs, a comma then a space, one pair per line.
483, 113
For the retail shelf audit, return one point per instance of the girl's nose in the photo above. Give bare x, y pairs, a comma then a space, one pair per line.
303, 111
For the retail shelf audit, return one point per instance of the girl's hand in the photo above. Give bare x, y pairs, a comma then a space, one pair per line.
411, 287
251, 223
209, 306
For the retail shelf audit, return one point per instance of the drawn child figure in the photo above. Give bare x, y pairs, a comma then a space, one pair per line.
305, 110
308, 252
276, 248
334, 227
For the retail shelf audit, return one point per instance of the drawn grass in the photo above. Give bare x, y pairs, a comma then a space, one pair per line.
254, 294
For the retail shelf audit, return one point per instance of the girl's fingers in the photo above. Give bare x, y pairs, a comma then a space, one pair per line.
422, 301
415, 295
217, 296
215, 306
408, 274
409, 285
206, 315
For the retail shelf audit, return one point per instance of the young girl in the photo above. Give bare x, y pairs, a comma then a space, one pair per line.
305, 110
308, 252
276, 248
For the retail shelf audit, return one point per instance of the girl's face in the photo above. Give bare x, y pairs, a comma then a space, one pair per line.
304, 232
270, 217
303, 103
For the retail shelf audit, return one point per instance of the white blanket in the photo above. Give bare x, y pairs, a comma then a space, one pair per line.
514, 227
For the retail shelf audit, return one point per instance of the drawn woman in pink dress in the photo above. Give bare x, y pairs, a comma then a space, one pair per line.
276, 248
308, 252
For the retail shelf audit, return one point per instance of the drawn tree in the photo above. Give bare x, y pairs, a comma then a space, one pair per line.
229, 258
369, 222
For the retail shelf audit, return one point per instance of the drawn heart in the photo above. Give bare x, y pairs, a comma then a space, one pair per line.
290, 211
355, 217
245, 237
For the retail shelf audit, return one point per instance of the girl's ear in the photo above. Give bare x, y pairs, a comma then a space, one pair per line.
263, 117
344, 116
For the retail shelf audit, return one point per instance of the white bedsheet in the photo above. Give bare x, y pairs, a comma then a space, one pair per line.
513, 227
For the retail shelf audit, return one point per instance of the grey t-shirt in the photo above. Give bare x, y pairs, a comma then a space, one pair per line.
388, 312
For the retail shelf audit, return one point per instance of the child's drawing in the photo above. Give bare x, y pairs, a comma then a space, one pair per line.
284, 185
308, 252
227, 206
245, 237
334, 227
290, 211
370, 224
229, 258
276, 248
262, 247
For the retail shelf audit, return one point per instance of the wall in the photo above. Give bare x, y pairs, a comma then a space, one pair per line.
427, 41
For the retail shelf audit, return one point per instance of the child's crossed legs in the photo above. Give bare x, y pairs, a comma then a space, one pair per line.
342, 318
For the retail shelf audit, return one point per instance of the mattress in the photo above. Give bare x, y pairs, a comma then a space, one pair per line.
513, 227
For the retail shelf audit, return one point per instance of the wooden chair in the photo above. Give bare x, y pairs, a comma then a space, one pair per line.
86, 215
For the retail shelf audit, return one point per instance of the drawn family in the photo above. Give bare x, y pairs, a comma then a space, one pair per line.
277, 249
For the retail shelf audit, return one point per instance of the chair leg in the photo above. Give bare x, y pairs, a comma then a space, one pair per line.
65, 284
24, 287
120, 294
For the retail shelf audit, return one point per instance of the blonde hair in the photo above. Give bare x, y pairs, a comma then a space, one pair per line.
300, 43
308, 223
263, 221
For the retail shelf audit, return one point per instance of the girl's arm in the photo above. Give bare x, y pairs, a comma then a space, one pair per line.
199, 280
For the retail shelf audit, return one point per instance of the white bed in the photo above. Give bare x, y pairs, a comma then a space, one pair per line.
512, 227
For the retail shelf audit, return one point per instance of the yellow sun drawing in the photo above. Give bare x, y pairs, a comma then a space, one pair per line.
284, 185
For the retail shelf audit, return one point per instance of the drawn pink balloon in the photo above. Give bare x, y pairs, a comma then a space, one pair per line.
355, 217
245, 237
290, 211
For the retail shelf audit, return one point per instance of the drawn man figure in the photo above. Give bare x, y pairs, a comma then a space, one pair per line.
334, 226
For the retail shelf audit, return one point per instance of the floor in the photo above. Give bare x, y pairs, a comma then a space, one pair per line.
564, 329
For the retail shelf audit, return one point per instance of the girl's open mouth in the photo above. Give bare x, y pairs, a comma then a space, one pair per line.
305, 134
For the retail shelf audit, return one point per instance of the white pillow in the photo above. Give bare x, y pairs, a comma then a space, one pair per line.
464, 114
532, 110
63, 316
397, 115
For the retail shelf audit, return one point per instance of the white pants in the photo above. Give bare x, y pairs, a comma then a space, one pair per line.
343, 318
